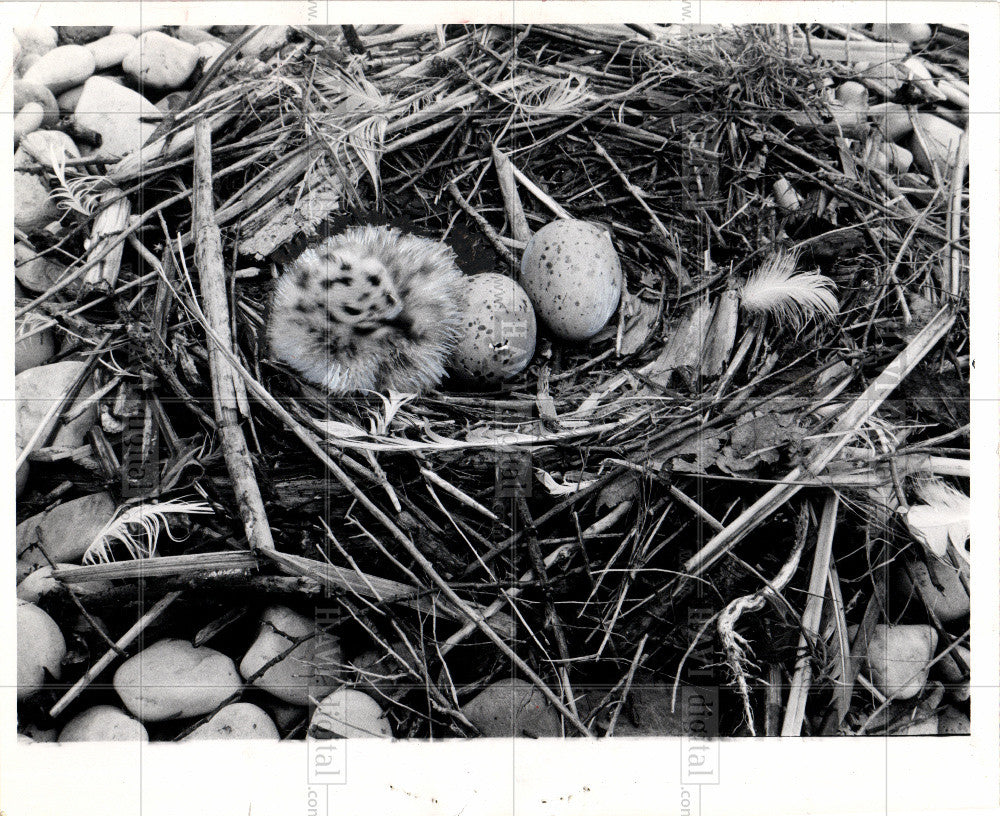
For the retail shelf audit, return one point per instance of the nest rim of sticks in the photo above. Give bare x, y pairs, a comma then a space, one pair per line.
611, 443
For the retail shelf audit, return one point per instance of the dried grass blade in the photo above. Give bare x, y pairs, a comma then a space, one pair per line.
795, 709
843, 674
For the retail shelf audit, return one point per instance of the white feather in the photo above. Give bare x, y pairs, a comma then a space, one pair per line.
943, 516
149, 518
775, 290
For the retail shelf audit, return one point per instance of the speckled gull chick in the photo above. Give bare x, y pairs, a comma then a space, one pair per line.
372, 308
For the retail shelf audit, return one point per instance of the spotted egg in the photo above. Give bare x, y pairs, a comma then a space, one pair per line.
572, 274
497, 330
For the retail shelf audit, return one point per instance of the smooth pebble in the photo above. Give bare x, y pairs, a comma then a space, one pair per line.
942, 140
81, 35
117, 113
33, 271
310, 670
27, 120
109, 51
36, 39
38, 389
103, 723
38, 584
34, 341
34, 206
172, 679
239, 721
349, 713
210, 50
65, 531
41, 647
512, 708
135, 31
898, 658
25, 92
42, 146
267, 39
194, 34
62, 68
160, 61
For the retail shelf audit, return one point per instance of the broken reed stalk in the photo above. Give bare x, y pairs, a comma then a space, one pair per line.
372, 587
110, 221
795, 709
512, 201
109, 656
866, 404
228, 392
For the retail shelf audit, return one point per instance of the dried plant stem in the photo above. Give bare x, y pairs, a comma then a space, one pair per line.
795, 710
851, 51
109, 222
512, 201
636, 658
539, 193
463, 497
633, 190
955, 216
484, 225
109, 656
228, 392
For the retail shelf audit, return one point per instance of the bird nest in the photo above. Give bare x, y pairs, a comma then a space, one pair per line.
711, 494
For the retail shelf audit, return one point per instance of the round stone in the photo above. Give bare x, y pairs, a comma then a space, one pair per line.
349, 713
36, 39
309, 670
81, 35
40, 649
34, 341
65, 531
62, 68
38, 389
173, 679
118, 113
26, 92
512, 708
103, 723
109, 51
34, 206
160, 61
239, 721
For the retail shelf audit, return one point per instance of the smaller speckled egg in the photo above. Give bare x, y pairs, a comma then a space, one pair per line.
572, 274
497, 330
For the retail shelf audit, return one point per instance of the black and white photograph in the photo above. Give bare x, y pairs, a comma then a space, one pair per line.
390, 383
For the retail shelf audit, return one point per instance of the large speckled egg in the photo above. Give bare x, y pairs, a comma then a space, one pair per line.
572, 274
497, 330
